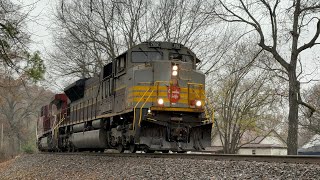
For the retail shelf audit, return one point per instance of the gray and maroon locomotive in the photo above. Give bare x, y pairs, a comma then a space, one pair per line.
149, 98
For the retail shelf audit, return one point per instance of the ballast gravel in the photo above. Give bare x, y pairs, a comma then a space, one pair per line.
48, 166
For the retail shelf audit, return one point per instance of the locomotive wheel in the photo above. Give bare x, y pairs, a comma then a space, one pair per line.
132, 148
147, 150
120, 148
181, 151
71, 148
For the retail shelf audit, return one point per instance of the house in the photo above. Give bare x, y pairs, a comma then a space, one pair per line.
312, 147
269, 144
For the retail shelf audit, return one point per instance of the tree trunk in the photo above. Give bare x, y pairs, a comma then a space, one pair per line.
292, 140
1, 140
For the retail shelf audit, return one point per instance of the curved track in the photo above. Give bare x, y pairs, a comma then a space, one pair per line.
209, 156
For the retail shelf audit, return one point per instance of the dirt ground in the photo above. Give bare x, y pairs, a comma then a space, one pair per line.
6, 164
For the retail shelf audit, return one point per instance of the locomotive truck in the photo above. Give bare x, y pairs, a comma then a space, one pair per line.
149, 98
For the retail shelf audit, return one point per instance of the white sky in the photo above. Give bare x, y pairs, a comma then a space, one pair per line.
40, 24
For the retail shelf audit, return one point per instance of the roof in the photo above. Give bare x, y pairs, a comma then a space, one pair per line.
315, 148
314, 141
162, 45
252, 140
75, 90
256, 143
259, 139
263, 146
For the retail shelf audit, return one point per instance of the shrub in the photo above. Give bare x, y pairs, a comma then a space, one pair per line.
28, 148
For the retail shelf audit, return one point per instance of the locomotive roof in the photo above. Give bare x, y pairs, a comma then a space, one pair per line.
159, 44
75, 90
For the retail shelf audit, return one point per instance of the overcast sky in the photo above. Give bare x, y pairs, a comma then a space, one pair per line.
40, 24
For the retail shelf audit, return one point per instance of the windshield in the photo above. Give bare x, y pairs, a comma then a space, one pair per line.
181, 57
145, 56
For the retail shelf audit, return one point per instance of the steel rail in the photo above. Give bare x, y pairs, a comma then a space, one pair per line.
296, 159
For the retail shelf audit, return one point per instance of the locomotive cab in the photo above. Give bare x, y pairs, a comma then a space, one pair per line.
168, 97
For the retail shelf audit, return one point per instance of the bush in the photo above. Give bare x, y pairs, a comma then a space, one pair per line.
28, 148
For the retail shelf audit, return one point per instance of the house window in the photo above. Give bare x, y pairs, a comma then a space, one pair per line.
253, 152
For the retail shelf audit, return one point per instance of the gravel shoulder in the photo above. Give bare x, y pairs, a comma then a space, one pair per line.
4, 165
47, 166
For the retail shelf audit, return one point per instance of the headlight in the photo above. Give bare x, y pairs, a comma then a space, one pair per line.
174, 73
149, 111
160, 101
175, 68
198, 103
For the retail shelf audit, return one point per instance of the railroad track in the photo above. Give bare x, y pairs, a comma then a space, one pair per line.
217, 157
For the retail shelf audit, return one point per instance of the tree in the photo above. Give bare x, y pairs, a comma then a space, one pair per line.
243, 99
305, 135
287, 22
19, 107
92, 33
312, 123
14, 55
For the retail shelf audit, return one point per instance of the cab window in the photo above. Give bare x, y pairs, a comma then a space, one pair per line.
181, 57
146, 56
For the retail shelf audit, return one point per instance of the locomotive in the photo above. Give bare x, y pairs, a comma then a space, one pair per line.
150, 98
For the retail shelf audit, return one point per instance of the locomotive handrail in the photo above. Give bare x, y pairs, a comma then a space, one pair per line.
212, 110
205, 109
63, 116
196, 84
60, 121
143, 106
200, 85
134, 109
209, 104
156, 83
